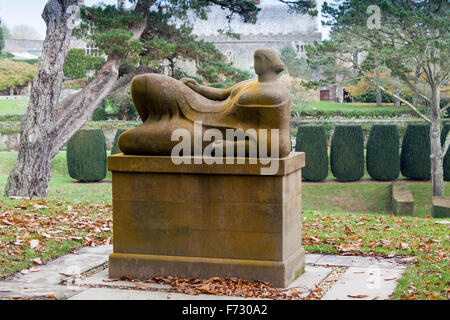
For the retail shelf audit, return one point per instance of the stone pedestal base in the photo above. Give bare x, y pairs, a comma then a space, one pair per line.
199, 220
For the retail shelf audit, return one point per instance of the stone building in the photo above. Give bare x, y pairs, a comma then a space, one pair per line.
275, 27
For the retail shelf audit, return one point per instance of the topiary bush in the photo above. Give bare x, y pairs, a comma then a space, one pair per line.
115, 147
415, 156
86, 155
99, 114
347, 153
78, 62
382, 155
312, 141
446, 164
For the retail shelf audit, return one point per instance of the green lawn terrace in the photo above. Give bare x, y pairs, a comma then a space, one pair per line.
349, 111
308, 110
13, 106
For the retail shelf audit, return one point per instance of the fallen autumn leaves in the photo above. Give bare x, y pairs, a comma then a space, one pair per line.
223, 287
35, 231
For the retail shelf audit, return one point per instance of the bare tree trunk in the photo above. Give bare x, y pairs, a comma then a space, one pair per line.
415, 97
436, 157
31, 173
396, 101
49, 124
378, 90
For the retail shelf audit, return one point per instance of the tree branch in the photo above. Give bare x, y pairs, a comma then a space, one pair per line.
446, 146
445, 108
420, 114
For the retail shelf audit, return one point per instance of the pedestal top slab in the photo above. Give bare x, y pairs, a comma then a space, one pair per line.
166, 164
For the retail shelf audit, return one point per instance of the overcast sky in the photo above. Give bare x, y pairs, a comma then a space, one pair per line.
28, 12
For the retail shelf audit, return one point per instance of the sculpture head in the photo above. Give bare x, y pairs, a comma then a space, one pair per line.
267, 61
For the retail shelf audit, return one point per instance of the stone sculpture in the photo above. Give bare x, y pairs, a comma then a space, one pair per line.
166, 104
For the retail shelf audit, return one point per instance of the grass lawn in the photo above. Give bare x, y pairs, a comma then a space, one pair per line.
337, 106
13, 106
364, 197
62, 186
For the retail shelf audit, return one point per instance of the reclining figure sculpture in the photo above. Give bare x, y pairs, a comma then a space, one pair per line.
166, 104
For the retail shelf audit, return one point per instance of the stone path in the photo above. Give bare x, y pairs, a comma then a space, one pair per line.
83, 276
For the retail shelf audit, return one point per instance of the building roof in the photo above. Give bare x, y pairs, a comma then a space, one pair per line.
23, 45
272, 19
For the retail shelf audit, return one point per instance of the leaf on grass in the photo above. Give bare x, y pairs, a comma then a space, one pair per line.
34, 243
39, 207
350, 247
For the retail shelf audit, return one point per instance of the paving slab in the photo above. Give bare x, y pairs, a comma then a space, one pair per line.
118, 294
311, 258
365, 283
72, 264
104, 250
357, 261
101, 279
309, 279
366, 278
16, 289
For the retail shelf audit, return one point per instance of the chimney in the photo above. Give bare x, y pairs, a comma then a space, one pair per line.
256, 1
120, 4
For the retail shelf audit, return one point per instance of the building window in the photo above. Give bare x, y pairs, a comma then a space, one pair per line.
299, 46
92, 50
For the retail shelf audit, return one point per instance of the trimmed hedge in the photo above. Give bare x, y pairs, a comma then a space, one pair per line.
415, 156
446, 163
115, 148
312, 140
86, 155
99, 114
347, 153
382, 154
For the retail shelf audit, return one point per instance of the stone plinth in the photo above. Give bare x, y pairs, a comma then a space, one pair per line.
441, 207
199, 220
402, 200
